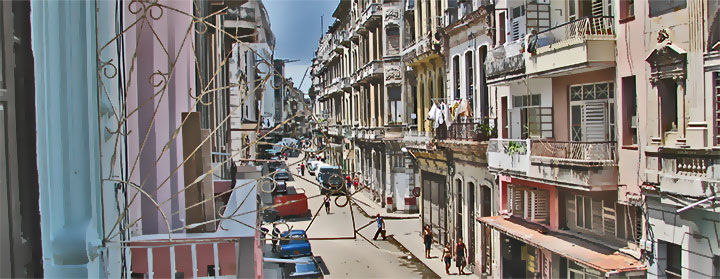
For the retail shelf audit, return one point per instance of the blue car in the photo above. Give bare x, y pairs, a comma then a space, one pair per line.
294, 243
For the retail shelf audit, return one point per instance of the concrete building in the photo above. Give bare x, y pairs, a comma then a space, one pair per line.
681, 132
362, 98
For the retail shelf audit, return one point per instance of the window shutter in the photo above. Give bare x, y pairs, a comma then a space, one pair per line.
570, 208
517, 202
609, 218
541, 210
597, 216
594, 118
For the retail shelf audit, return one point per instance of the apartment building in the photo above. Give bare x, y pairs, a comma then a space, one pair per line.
360, 76
552, 78
558, 138
679, 181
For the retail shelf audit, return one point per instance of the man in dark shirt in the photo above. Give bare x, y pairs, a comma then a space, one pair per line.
460, 255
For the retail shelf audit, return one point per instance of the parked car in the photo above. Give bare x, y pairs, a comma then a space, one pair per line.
305, 267
280, 187
297, 208
282, 175
294, 243
331, 178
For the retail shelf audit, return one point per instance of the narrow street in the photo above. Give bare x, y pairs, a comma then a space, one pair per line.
354, 258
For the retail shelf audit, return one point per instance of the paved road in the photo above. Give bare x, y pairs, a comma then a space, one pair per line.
355, 258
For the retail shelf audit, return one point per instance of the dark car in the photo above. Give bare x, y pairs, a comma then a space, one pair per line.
294, 243
280, 187
282, 175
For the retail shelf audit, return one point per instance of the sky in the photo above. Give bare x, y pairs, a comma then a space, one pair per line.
296, 25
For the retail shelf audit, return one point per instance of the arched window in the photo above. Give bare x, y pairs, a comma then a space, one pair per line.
393, 40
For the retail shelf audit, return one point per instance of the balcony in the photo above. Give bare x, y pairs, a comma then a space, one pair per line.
505, 61
576, 45
346, 84
590, 166
466, 131
338, 39
371, 14
233, 251
509, 156
688, 172
574, 153
371, 70
240, 17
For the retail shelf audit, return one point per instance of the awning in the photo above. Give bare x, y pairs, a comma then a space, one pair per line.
592, 255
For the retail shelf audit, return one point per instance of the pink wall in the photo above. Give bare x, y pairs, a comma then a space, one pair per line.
561, 98
183, 258
506, 180
631, 61
148, 138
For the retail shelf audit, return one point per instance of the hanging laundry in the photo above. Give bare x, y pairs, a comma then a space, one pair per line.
446, 113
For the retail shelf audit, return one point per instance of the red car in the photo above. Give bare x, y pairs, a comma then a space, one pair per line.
297, 208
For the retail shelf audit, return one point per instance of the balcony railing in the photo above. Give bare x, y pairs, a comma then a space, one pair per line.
593, 153
241, 13
467, 131
509, 155
580, 29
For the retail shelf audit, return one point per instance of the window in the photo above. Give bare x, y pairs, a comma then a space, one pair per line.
456, 76
396, 112
469, 78
667, 91
627, 10
716, 267
629, 99
661, 7
501, 28
530, 204
592, 109
393, 40
583, 212
673, 268
397, 161
535, 121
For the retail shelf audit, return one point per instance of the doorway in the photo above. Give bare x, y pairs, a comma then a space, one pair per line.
471, 223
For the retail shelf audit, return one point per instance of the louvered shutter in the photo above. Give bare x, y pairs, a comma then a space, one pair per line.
517, 202
597, 216
609, 218
540, 209
594, 121
570, 208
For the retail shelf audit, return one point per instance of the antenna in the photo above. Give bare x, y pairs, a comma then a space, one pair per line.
321, 26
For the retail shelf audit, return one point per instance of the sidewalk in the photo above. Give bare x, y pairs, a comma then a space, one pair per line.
406, 230
371, 208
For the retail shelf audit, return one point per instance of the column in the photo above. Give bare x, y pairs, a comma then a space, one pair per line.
680, 91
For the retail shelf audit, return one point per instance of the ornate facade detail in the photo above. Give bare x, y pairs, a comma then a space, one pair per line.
393, 74
392, 14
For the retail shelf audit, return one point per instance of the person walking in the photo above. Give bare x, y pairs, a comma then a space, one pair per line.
460, 256
275, 237
447, 257
381, 227
356, 183
427, 240
348, 182
302, 169
327, 204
